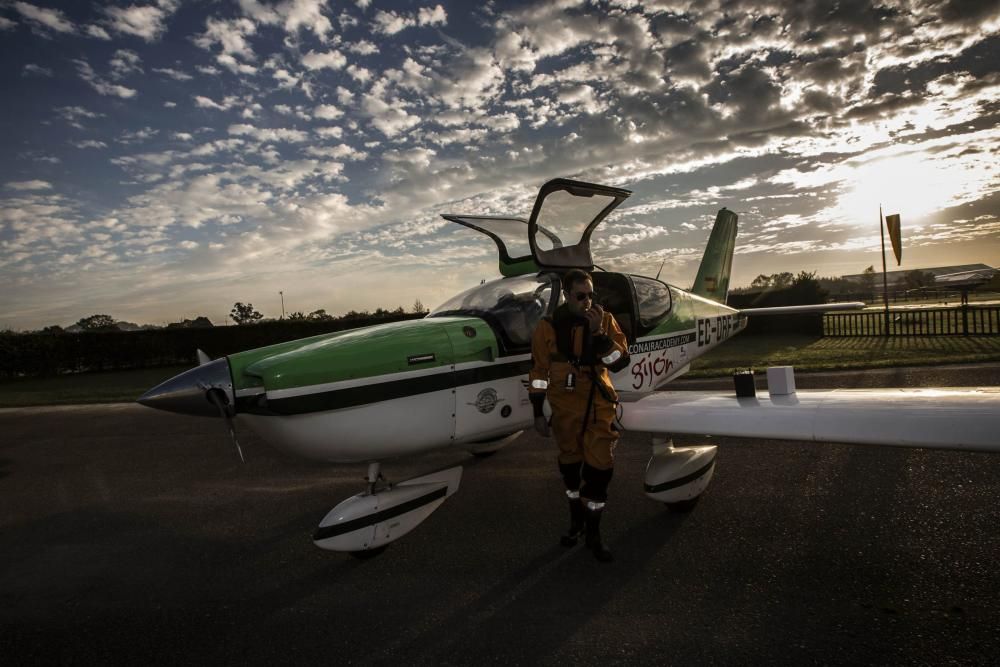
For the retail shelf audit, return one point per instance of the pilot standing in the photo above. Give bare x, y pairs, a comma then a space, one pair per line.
572, 352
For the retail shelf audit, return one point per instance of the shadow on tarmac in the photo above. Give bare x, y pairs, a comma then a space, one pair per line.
567, 587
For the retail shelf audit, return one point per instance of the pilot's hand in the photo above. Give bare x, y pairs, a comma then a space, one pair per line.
595, 316
542, 426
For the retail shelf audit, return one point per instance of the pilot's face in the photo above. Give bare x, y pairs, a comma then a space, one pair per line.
580, 297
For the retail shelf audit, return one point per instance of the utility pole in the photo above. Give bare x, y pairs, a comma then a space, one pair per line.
282, 294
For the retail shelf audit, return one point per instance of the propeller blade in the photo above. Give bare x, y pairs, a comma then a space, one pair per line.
216, 398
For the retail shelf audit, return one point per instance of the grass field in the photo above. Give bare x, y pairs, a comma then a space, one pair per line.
112, 387
812, 353
806, 353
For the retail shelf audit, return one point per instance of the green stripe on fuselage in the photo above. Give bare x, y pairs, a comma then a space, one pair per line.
712, 322
365, 353
376, 390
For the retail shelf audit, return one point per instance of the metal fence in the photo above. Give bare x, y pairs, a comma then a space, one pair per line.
961, 321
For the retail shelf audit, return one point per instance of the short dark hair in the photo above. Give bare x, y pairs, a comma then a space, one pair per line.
574, 276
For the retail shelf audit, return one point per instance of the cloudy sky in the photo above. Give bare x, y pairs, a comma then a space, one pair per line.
166, 158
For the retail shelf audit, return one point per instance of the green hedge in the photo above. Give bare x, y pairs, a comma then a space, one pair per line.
800, 323
36, 354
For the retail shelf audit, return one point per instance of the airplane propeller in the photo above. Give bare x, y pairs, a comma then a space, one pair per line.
218, 399
205, 390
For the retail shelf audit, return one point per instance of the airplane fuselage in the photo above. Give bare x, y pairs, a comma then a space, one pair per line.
403, 388
459, 376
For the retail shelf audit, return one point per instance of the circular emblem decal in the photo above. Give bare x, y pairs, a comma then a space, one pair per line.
486, 400
469, 332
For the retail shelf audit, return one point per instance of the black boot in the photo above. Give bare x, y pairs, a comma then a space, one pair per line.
594, 542
576, 523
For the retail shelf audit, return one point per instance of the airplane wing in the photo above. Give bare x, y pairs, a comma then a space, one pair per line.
809, 308
962, 419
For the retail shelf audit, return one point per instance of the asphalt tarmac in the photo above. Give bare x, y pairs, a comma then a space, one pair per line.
129, 536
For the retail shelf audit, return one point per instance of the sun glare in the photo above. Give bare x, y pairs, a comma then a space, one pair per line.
914, 185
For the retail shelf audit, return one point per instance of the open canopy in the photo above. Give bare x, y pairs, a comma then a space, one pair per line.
557, 235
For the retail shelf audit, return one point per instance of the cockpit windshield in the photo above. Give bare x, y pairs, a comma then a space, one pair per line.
515, 305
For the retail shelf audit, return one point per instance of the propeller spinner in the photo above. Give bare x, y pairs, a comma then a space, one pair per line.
204, 391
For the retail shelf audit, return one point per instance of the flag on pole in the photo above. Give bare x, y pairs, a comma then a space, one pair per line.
892, 224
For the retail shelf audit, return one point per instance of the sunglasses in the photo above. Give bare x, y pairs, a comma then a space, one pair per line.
583, 296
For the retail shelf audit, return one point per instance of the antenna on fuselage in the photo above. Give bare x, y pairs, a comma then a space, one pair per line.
661, 268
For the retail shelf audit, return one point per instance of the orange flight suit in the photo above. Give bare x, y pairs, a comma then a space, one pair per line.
582, 417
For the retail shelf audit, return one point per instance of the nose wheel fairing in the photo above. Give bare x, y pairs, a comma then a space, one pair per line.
373, 519
681, 474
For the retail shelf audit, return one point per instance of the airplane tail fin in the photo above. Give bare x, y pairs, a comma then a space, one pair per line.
712, 281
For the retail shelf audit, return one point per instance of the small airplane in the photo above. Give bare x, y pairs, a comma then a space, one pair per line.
458, 377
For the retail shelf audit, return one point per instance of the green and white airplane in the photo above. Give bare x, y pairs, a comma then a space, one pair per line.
458, 378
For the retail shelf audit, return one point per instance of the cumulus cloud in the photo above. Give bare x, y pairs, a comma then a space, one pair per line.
330, 132
48, 19
208, 103
327, 112
231, 36
147, 22
176, 75
124, 62
471, 79
292, 15
338, 152
306, 14
233, 65
73, 114
28, 185
363, 48
390, 22
387, 114
137, 136
331, 59
103, 87
361, 74
88, 143
432, 16
31, 69
268, 134
97, 32
7, 24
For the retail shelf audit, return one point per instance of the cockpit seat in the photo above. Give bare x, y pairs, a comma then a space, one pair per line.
613, 292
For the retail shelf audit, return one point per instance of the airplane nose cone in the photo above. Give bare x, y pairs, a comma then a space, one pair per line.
187, 393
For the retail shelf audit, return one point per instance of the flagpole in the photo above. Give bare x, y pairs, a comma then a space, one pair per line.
885, 281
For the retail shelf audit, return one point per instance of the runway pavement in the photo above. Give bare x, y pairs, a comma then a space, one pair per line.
132, 536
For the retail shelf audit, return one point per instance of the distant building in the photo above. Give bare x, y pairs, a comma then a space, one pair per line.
197, 323
939, 272
965, 279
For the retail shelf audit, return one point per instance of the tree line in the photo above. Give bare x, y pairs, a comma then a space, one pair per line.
245, 313
241, 314
808, 282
